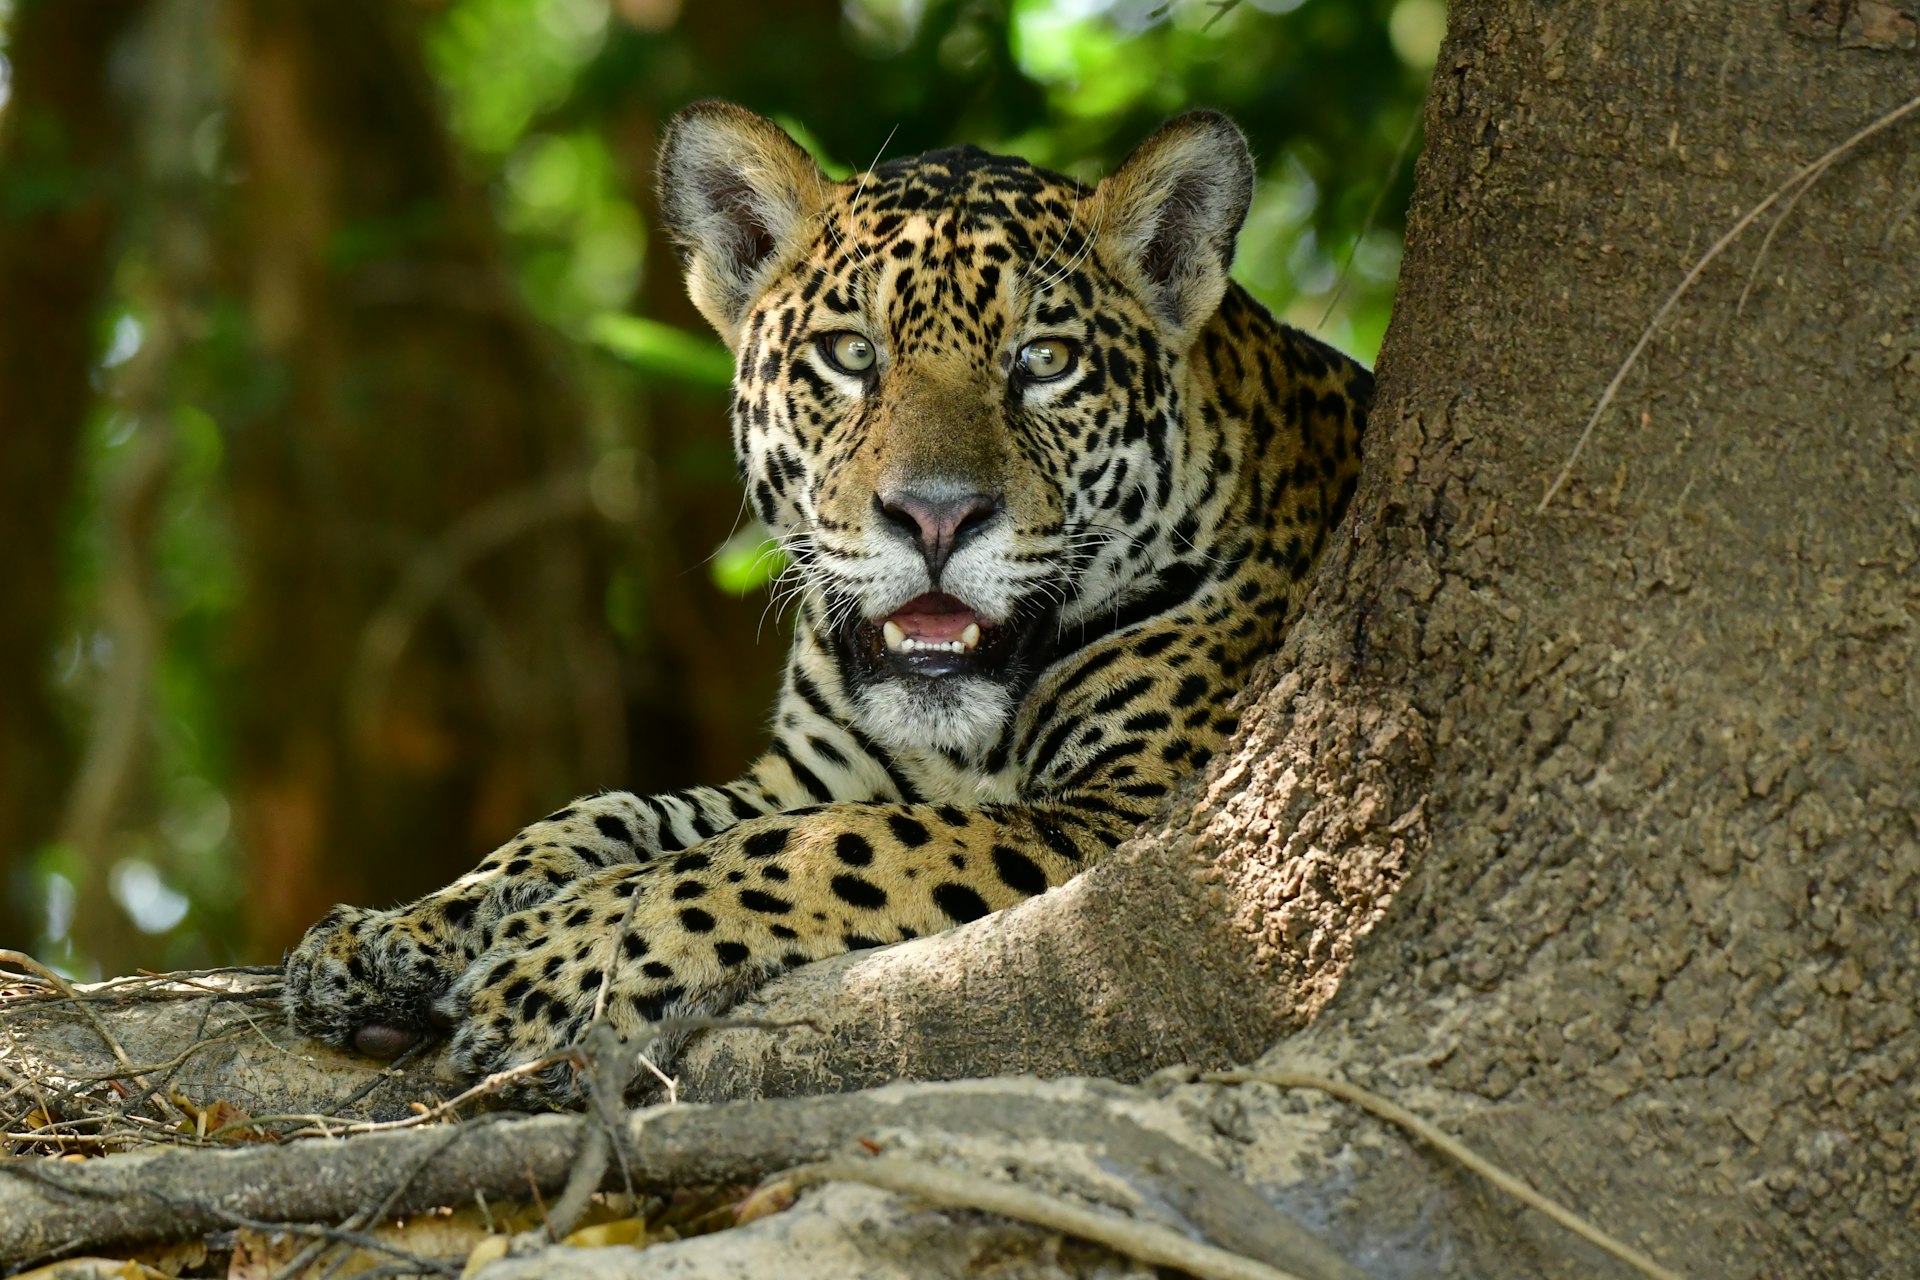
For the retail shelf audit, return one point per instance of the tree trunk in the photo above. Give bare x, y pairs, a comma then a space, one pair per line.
1660, 951
66, 137
423, 662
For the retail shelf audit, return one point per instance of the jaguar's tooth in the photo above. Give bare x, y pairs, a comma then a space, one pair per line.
898, 641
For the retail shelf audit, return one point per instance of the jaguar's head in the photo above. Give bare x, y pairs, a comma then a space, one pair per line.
957, 389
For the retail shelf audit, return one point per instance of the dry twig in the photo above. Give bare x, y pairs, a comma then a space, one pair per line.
1804, 176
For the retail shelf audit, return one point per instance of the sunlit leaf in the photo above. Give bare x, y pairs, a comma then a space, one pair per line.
747, 561
663, 351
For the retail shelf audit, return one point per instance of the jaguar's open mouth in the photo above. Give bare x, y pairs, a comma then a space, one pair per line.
937, 636
931, 635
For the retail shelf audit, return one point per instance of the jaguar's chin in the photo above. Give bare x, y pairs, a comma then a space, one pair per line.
960, 716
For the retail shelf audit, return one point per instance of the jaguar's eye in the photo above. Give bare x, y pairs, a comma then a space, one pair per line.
848, 352
1046, 359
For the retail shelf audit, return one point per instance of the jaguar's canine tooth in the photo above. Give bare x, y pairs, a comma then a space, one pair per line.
896, 638
971, 636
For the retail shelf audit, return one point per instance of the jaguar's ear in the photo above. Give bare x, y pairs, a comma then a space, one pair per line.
1172, 210
739, 195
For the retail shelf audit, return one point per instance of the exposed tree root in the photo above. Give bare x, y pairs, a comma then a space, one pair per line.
49, 1209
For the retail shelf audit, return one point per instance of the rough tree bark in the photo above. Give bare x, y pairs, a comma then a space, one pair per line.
1587, 831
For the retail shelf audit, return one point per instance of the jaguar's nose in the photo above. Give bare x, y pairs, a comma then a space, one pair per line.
938, 523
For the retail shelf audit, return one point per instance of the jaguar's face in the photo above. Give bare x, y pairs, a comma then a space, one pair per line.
928, 415
953, 409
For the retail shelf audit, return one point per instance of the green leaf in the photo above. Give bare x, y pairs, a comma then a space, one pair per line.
662, 350
747, 561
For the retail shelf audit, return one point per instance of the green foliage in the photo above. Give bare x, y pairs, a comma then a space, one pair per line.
503, 63
577, 241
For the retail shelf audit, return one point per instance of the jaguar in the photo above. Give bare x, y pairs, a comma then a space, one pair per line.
1049, 484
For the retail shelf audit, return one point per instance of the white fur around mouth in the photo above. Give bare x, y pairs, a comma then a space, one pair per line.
899, 641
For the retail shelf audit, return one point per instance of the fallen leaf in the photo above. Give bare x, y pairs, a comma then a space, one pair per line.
765, 1200
172, 1259
630, 1231
490, 1249
227, 1123
258, 1255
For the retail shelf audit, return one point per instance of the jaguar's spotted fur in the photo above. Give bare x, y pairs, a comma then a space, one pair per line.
1050, 485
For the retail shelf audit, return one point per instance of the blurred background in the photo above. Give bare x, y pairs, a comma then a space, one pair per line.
364, 480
